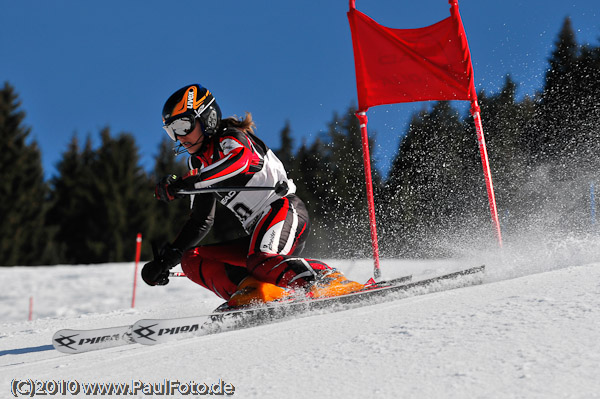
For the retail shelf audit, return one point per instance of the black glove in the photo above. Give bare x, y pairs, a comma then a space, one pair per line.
166, 189
157, 271
154, 273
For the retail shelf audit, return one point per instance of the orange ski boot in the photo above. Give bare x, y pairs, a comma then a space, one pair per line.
253, 292
333, 283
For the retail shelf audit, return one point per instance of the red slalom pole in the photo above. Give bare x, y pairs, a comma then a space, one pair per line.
30, 308
475, 111
362, 118
138, 250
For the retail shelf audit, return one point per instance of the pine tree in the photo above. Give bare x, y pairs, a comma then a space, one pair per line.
100, 200
506, 134
557, 120
286, 152
566, 127
70, 200
167, 219
310, 178
121, 199
346, 199
432, 187
23, 237
588, 89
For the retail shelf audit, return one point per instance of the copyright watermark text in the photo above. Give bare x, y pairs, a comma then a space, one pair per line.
31, 388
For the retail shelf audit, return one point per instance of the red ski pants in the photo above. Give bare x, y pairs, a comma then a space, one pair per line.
270, 254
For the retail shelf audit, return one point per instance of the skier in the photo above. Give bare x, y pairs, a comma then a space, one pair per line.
265, 264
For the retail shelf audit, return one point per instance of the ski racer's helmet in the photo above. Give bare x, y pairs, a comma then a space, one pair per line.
188, 105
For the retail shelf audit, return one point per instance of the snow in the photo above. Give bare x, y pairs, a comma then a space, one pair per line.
532, 330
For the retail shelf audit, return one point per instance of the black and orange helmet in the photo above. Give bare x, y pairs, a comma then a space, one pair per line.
196, 103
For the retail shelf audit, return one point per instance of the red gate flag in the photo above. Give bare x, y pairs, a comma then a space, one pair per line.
405, 65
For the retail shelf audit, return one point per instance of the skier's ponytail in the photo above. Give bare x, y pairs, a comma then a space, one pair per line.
246, 124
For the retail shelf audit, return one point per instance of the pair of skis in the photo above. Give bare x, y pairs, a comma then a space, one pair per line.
155, 331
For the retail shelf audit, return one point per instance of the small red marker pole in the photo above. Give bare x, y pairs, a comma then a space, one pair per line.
138, 250
30, 308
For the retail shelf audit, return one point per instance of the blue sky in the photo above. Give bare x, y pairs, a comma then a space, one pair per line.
79, 66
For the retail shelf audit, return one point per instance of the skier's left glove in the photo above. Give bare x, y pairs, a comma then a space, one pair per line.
166, 189
156, 272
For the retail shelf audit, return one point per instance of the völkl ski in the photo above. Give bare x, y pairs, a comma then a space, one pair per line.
154, 331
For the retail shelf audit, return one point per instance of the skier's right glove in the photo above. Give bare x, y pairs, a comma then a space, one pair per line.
166, 189
156, 272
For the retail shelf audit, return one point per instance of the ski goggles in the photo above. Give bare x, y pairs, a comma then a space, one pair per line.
180, 127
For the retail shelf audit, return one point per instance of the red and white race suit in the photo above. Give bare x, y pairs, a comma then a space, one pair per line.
277, 224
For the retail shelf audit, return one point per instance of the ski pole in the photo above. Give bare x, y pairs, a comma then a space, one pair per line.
280, 188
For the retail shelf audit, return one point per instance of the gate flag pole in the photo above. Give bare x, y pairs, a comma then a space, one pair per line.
362, 118
475, 111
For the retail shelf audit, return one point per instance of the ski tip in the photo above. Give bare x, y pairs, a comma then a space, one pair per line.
79, 341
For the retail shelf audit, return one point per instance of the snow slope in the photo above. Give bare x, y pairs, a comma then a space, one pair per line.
527, 332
